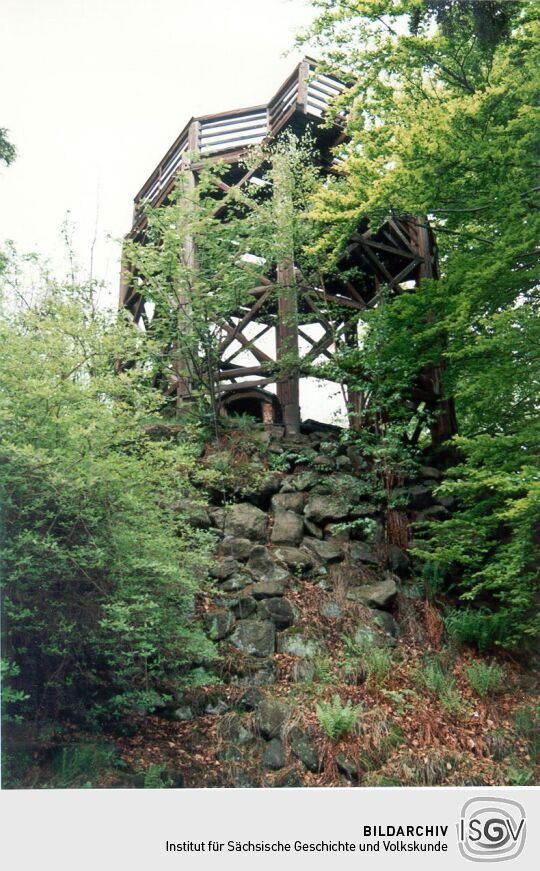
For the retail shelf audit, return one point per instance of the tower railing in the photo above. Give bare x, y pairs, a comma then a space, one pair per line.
307, 91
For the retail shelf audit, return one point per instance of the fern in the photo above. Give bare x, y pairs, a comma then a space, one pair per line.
336, 718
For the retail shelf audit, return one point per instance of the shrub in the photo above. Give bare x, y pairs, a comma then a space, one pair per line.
527, 722
365, 658
516, 776
485, 679
479, 627
435, 678
337, 718
322, 670
100, 562
156, 777
78, 764
378, 664
451, 701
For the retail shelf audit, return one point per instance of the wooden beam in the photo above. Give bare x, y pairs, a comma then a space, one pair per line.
259, 382
226, 374
257, 353
245, 321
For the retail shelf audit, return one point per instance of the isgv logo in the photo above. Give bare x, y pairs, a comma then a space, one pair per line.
491, 829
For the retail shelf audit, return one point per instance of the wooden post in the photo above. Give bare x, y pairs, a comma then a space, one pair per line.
355, 399
182, 365
288, 385
444, 425
303, 73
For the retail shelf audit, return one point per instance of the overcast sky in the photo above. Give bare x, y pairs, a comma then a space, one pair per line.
95, 91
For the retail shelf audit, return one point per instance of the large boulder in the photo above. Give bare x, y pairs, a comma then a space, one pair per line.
261, 565
299, 561
197, 516
397, 559
245, 521
320, 509
326, 551
288, 528
295, 643
217, 516
303, 671
363, 509
304, 750
378, 595
239, 548
224, 569
255, 637
260, 673
331, 610
306, 480
236, 582
274, 755
420, 496
268, 589
280, 611
343, 463
290, 779
288, 502
361, 552
386, 622
243, 606
323, 463
219, 624
312, 529
272, 716
182, 714
263, 489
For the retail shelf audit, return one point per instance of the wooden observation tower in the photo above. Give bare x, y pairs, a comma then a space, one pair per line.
255, 338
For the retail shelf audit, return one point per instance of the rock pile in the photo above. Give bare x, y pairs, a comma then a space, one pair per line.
311, 525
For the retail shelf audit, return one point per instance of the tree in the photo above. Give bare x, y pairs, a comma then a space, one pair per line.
7, 150
201, 254
443, 125
100, 563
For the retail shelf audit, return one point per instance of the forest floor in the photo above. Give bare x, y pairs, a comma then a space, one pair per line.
313, 688
405, 734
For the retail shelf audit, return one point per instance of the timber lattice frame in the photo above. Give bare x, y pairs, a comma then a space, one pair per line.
400, 252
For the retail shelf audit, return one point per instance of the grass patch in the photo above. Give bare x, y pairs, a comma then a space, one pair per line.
486, 679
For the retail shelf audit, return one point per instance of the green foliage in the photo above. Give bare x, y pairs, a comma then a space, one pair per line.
436, 677
100, 564
444, 123
479, 626
322, 670
486, 679
156, 777
451, 701
11, 697
336, 718
527, 723
7, 150
518, 776
258, 225
78, 765
365, 659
